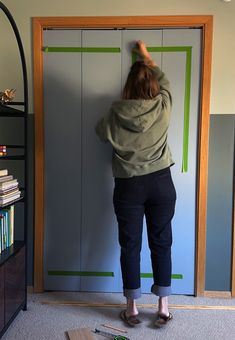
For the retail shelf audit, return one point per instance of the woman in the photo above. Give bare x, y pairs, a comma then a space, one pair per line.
136, 126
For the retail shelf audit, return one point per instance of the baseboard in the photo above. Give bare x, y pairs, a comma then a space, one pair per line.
207, 293
217, 294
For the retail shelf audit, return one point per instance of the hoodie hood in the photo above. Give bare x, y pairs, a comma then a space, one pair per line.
137, 115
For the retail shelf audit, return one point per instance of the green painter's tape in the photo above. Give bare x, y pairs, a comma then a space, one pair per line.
78, 273
170, 49
100, 274
187, 109
187, 93
82, 49
187, 49
150, 275
134, 57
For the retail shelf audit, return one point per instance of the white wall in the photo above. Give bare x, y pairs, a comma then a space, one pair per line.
223, 65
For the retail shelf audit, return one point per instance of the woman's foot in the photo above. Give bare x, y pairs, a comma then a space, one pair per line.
129, 316
162, 320
131, 321
163, 315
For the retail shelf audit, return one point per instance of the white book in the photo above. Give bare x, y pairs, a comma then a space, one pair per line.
9, 193
8, 184
5, 178
3, 172
10, 199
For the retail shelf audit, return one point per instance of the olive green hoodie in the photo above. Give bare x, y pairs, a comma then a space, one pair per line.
137, 130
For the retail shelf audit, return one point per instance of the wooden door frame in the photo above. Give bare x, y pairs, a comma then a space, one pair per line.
205, 22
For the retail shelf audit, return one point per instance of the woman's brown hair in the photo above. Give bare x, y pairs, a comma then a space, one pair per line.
141, 82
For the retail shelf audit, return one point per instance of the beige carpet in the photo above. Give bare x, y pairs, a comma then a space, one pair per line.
49, 322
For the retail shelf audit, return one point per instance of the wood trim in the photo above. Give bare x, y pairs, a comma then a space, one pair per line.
217, 294
233, 245
39, 157
202, 180
141, 305
125, 22
203, 21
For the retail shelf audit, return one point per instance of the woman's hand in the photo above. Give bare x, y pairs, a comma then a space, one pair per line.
141, 50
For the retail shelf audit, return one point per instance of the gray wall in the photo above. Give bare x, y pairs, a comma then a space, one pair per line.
220, 203
219, 214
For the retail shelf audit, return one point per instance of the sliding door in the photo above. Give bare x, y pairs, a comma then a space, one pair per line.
63, 182
84, 71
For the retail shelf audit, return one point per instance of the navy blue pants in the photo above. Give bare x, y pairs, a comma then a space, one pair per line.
154, 196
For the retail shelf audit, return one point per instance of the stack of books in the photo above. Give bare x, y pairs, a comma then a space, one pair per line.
9, 188
6, 227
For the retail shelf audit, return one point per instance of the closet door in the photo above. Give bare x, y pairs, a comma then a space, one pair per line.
62, 124
101, 84
177, 52
81, 239
182, 67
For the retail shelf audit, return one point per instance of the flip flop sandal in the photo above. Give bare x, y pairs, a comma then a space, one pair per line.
131, 321
162, 320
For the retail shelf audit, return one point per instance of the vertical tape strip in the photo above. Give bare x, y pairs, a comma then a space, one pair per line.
187, 93
187, 109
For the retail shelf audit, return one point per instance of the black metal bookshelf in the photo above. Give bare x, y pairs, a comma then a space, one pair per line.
11, 251
13, 260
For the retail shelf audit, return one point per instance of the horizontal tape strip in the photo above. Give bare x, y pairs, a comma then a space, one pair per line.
170, 49
186, 49
106, 274
113, 49
150, 275
79, 273
82, 49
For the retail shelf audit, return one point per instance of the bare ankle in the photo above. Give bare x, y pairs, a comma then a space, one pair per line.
131, 307
163, 305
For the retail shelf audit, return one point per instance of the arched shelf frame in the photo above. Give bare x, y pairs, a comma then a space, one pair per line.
8, 111
22, 56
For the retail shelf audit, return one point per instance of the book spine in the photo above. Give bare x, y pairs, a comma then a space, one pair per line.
1, 224
12, 213
7, 227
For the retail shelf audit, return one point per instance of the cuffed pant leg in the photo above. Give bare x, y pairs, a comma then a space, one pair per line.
160, 290
159, 211
129, 212
130, 226
132, 293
